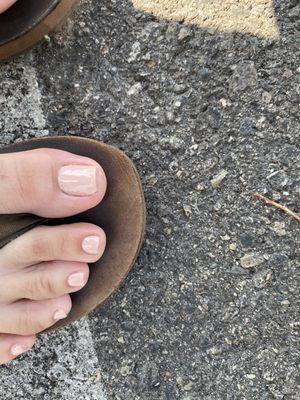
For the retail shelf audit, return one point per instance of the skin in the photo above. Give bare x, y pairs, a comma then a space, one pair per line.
35, 268
5, 4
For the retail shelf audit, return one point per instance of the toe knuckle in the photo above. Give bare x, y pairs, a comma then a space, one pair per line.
29, 176
28, 190
40, 248
62, 244
47, 285
43, 286
38, 325
32, 323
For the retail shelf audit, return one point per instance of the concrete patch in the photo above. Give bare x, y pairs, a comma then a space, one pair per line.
256, 17
63, 365
20, 98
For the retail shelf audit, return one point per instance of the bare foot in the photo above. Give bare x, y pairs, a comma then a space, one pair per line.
5, 4
39, 269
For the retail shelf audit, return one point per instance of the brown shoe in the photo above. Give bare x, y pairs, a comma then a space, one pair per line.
121, 214
28, 21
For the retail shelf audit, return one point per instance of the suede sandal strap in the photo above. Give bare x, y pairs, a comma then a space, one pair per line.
15, 225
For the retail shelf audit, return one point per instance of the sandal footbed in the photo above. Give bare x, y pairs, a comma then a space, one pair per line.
121, 214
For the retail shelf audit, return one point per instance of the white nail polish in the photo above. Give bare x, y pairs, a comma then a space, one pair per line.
91, 245
76, 280
59, 314
78, 180
18, 349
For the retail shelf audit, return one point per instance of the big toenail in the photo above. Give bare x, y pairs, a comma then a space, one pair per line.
18, 349
59, 314
78, 180
76, 280
91, 245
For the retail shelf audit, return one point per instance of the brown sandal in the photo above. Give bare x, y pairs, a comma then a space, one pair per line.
28, 21
121, 214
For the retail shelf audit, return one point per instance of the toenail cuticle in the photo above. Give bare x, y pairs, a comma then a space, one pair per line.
91, 245
18, 349
78, 180
77, 279
59, 314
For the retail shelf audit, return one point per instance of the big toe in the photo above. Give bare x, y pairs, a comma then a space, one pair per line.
49, 183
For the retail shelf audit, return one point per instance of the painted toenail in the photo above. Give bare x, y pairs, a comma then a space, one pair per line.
91, 244
18, 349
76, 280
59, 314
78, 180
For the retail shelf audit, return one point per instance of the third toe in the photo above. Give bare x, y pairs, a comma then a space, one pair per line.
44, 281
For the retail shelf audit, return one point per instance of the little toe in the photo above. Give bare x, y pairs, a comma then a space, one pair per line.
12, 346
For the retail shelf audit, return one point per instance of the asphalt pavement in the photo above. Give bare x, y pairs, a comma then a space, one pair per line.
209, 115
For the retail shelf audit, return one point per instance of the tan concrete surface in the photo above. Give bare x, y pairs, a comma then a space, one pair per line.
256, 17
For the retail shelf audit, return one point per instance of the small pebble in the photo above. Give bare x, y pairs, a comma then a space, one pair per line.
266, 97
200, 187
268, 376
262, 278
251, 376
279, 228
189, 386
151, 180
183, 34
285, 303
225, 238
278, 179
135, 89
214, 351
168, 231
187, 210
218, 179
251, 260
